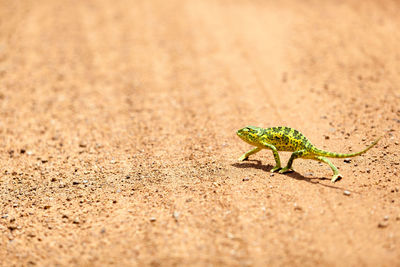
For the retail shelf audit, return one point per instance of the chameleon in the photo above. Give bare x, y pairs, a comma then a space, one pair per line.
289, 139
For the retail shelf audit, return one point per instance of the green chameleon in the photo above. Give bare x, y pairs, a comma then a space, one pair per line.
288, 139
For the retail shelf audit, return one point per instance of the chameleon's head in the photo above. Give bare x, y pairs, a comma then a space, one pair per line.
250, 134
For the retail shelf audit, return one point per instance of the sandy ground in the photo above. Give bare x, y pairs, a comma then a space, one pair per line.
118, 121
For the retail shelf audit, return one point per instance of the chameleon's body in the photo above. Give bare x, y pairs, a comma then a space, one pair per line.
288, 139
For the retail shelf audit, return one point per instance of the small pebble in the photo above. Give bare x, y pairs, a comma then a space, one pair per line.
296, 207
245, 179
75, 182
82, 144
347, 160
271, 174
176, 215
383, 225
113, 161
386, 218
346, 193
152, 219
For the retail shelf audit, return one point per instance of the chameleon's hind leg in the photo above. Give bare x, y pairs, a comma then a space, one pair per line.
248, 153
295, 155
336, 175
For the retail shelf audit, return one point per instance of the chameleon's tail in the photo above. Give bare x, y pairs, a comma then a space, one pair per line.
323, 153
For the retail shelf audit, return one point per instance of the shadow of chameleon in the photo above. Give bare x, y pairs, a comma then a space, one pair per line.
256, 164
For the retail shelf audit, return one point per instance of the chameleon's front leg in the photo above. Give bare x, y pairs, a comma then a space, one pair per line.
276, 157
336, 175
246, 155
295, 155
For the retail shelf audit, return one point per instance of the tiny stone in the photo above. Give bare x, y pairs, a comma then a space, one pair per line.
82, 144
346, 193
29, 153
176, 215
296, 207
54, 179
326, 137
271, 174
347, 160
386, 218
245, 179
76, 221
75, 182
383, 225
152, 219
22, 151
127, 177
85, 181
112, 161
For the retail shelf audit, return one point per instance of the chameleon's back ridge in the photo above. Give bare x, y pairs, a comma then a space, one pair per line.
288, 139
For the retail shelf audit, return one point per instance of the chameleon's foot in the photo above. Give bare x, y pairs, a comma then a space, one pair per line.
336, 177
243, 158
285, 170
276, 168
